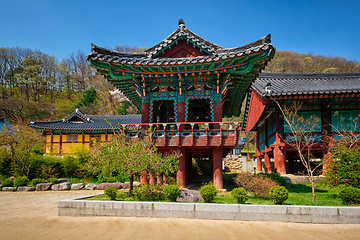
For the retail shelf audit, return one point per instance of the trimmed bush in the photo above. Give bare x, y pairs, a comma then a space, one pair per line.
54, 181
279, 194
350, 195
208, 192
172, 192
240, 194
21, 181
8, 183
111, 192
36, 181
147, 192
257, 184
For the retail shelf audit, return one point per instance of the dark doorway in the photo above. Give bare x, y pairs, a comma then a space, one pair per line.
199, 110
163, 111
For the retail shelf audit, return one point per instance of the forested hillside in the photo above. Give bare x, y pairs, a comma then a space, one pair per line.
286, 61
35, 86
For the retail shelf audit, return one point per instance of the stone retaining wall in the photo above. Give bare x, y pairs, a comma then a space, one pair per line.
284, 213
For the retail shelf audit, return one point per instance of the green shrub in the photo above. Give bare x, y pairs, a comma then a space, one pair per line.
111, 192
36, 181
350, 195
103, 179
69, 165
8, 183
172, 192
147, 192
21, 181
279, 194
277, 178
54, 181
257, 184
240, 194
208, 192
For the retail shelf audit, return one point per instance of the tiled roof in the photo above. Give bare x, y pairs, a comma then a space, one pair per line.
78, 121
216, 52
307, 83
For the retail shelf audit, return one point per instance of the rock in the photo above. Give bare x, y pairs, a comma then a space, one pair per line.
126, 185
62, 180
43, 186
116, 185
77, 186
61, 186
189, 196
26, 189
12, 178
91, 186
9, 189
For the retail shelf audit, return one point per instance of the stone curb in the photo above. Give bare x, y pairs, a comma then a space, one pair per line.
80, 207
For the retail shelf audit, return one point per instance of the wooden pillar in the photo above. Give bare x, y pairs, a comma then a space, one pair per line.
181, 113
279, 159
180, 175
217, 167
217, 113
145, 111
257, 154
159, 179
44, 142
267, 163
60, 145
152, 178
143, 177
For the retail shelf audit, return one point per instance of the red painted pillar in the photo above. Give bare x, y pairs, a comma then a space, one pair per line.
143, 177
279, 153
217, 167
164, 178
327, 159
267, 163
145, 111
180, 175
159, 178
217, 113
257, 153
152, 178
181, 113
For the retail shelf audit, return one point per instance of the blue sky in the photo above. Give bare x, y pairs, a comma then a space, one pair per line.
58, 28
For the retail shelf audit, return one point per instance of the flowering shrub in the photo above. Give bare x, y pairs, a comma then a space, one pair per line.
345, 170
257, 184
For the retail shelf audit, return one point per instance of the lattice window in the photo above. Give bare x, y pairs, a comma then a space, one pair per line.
72, 138
343, 121
304, 122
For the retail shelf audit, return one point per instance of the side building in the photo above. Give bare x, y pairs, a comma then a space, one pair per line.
79, 130
333, 98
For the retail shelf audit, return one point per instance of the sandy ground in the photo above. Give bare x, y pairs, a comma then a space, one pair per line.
33, 215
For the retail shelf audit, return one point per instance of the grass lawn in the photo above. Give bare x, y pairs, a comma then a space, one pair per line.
299, 194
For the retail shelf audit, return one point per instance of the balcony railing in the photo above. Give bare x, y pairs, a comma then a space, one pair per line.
189, 133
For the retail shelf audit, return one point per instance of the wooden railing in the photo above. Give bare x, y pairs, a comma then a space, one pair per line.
189, 133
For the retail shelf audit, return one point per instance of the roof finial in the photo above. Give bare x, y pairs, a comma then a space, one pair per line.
181, 22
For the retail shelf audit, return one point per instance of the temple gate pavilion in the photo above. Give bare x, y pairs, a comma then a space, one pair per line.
184, 86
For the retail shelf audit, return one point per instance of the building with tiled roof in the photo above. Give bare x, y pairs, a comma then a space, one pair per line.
333, 98
183, 82
78, 130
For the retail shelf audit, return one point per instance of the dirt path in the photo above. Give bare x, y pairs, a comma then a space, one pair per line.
33, 215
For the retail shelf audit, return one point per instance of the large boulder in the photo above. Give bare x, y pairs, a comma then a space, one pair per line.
189, 196
77, 186
43, 186
26, 189
91, 186
9, 189
103, 186
62, 180
126, 185
61, 186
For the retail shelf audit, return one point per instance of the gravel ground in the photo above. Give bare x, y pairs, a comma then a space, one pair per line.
33, 215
